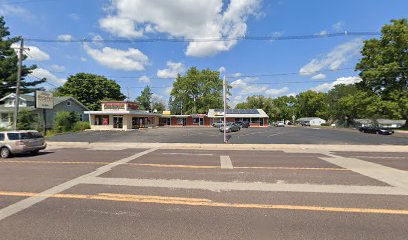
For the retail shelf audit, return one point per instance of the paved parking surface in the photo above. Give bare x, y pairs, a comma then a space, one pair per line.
203, 194
271, 135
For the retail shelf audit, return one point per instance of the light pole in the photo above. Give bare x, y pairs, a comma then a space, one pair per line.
225, 107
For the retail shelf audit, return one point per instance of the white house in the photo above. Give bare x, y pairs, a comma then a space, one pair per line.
314, 121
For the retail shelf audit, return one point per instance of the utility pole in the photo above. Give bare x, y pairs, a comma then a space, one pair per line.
17, 99
225, 107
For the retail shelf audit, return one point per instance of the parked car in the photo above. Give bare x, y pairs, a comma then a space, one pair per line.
230, 127
305, 124
280, 124
376, 130
243, 124
218, 124
25, 141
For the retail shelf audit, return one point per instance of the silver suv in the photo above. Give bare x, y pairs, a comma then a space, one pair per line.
24, 141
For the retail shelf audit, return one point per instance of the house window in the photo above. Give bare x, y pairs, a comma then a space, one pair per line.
81, 117
101, 120
68, 103
5, 118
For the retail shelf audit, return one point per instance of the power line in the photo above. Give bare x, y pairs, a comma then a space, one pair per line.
208, 39
241, 75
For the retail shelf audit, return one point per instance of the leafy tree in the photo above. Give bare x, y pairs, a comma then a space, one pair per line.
286, 108
336, 110
312, 104
260, 102
384, 67
65, 121
27, 120
159, 106
145, 99
8, 65
90, 89
196, 92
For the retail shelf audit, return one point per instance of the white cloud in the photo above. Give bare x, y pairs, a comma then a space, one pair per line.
236, 74
65, 37
323, 33
253, 89
275, 35
292, 94
237, 99
222, 69
319, 76
97, 40
83, 59
144, 79
276, 92
57, 68
122, 27
343, 80
168, 90
183, 19
74, 16
172, 70
339, 26
12, 10
44, 73
334, 59
34, 53
131, 60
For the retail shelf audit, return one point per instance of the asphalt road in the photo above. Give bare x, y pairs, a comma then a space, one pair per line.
271, 135
202, 194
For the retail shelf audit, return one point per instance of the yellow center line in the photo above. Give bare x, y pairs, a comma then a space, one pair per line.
204, 202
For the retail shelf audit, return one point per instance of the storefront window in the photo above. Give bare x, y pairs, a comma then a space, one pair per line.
255, 120
196, 120
179, 121
101, 120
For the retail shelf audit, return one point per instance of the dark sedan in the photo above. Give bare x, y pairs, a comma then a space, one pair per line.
243, 124
376, 130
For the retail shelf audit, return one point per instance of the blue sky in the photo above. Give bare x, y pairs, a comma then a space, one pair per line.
315, 63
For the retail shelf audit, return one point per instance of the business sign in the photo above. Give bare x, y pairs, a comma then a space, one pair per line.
114, 106
198, 115
166, 112
218, 113
133, 106
44, 100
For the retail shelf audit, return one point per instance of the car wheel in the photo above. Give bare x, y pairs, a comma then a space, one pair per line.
35, 152
5, 152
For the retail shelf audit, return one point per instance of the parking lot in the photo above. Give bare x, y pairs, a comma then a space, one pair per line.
270, 135
155, 193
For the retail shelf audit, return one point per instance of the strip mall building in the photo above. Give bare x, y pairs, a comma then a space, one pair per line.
127, 115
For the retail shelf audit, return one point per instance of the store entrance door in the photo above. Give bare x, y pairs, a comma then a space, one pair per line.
201, 121
117, 121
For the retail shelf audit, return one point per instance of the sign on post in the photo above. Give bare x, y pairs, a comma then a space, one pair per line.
44, 100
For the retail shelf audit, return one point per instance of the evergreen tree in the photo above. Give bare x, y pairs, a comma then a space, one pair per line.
8, 65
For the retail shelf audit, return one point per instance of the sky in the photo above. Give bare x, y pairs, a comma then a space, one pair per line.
270, 67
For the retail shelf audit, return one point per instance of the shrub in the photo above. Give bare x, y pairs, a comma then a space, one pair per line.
64, 121
27, 120
81, 126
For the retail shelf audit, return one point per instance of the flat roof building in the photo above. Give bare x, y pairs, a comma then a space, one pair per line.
120, 115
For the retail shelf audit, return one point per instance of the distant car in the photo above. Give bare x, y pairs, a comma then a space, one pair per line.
305, 124
376, 130
243, 124
280, 124
25, 141
230, 127
218, 124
